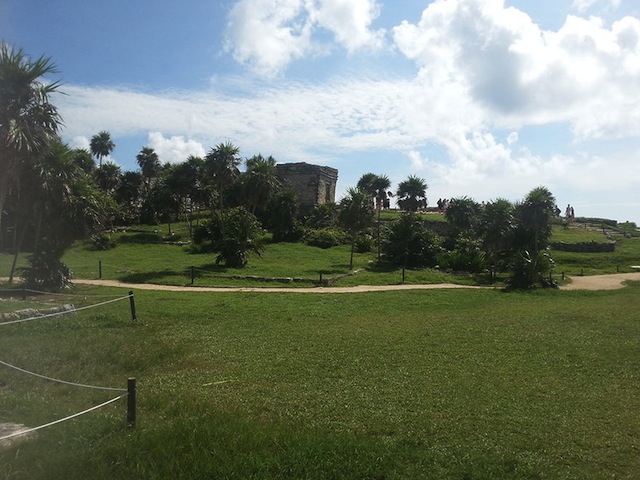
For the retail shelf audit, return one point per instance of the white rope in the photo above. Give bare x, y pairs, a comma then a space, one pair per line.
60, 294
61, 381
23, 432
64, 312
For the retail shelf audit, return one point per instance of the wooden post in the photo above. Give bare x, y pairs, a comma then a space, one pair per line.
320, 278
402, 274
132, 303
131, 402
99, 268
192, 274
24, 293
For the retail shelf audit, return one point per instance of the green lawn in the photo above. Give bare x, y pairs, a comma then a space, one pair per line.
474, 384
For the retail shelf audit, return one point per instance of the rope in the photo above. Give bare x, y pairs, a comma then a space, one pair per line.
24, 432
60, 294
61, 381
65, 312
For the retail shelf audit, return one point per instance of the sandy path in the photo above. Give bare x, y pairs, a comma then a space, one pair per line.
601, 282
595, 282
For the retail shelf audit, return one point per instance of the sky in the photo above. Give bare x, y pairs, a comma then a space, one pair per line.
481, 98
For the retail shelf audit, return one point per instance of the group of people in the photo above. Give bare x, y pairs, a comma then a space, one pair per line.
569, 214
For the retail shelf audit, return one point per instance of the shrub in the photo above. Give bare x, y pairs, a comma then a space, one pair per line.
364, 243
408, 243
101, 241
46, 272
325, 237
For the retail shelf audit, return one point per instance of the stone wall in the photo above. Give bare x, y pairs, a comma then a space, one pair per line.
584, 247
314, 184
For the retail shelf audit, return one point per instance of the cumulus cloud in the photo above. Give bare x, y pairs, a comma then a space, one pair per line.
174, 149
270, 34
585, 73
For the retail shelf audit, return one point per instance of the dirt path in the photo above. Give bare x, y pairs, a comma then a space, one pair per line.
601, 282
595, 282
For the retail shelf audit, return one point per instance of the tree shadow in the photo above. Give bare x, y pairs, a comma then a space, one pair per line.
140, 238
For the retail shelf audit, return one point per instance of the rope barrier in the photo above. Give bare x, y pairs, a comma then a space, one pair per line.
24, 432
65, 312
64, 294
62, 381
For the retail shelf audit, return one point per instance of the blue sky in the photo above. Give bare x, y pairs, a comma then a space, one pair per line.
484, 98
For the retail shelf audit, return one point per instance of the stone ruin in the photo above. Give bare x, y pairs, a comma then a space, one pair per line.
314, 184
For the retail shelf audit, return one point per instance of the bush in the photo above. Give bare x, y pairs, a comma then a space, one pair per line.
325, 238
364, 243
46, 272
407, 243
102, 241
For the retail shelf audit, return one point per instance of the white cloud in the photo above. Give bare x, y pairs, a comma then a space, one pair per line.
500, 60
82, 142
174, 149
583, 5
270, 34
349, 21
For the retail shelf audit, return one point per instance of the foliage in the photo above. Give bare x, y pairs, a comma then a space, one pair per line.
324, 237
466, 257
102, 241
532, 238
364, 243
355, 214
46, 271
463, 213
322, 216
412, 194
235, 234
409, 244
281, 217
101, 145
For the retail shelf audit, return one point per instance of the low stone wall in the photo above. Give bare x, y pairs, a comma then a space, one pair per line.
584, 247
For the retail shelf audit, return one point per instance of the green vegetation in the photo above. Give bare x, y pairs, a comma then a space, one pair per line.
462, 384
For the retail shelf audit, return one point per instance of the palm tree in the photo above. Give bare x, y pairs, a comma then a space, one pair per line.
496, 227
533, 235
377, 186
149, 164
463, 213
101, 146
108, 176
356, 214
28, 120
412, 194
261, 181
221, 166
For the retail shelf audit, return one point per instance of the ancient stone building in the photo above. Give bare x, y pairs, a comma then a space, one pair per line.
314, 184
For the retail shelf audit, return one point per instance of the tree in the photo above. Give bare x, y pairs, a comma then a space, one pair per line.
101, 146
463, 213
260, 182
84, 160
29, 122
409, 244
355, 215
108, 176
496, 228
377, 186
149, 164
221, 166
127, 195
282, 211
532, 238
235, 234
412, 194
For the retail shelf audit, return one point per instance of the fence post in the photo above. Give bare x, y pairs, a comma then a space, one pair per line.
131, 402
320, 278
24, 293
99, 268
132, 303
402, 274
192, 274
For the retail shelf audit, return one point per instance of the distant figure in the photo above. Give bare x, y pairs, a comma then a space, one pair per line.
573, 214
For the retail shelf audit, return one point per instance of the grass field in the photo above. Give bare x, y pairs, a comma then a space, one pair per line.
474, 384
